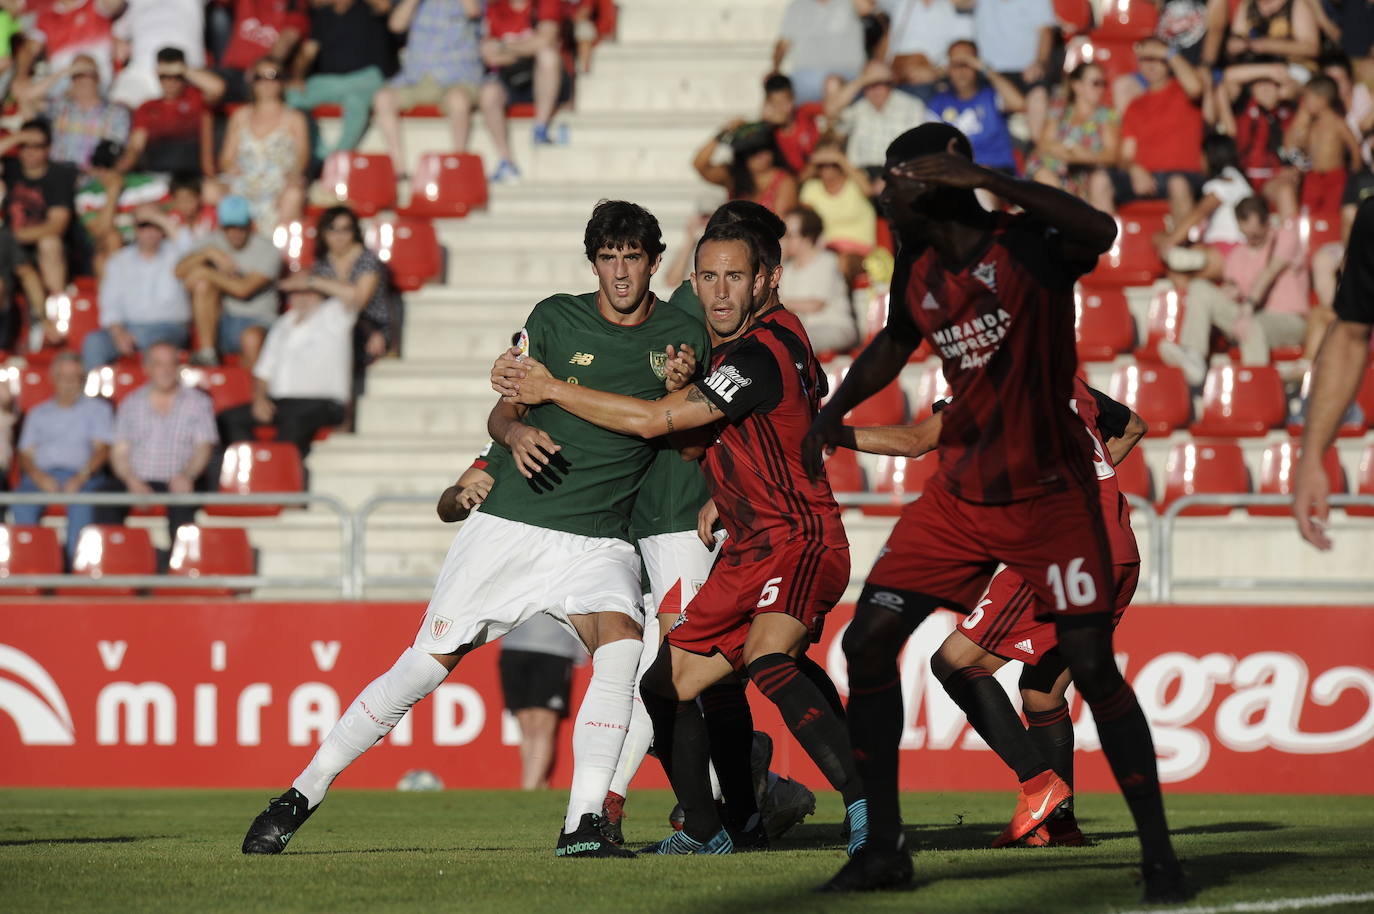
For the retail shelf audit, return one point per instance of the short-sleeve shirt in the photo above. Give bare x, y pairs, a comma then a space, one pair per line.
922, 27
1229, 187
846, 216
982, 121
1259, 136
871, 130
76, 131
798, 140
173, 126
70, 29
506, 22
1003, 325
1355, 295
352, 40
257, 26
1167, 127
27, 200
62, 437
589, 488
823, 36
1008, 31
161, 445
257, 256
377, 310
1288, 294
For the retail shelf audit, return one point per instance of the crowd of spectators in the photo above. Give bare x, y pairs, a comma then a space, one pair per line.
1250, 121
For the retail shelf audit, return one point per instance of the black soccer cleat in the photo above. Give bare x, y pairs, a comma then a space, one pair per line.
1164, 884
872, 869
275, 825
752, 838
588, 840
612, 831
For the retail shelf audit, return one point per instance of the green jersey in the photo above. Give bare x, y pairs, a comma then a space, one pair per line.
590, 485
674, 489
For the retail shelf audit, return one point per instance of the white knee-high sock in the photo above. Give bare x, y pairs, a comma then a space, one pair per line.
369, 718
602, 722
641, 733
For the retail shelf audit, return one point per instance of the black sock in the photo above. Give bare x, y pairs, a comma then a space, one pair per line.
809, 717
682, 746
817, 674
1052, 733
730, 728
875, 730
1130, 750
990, 712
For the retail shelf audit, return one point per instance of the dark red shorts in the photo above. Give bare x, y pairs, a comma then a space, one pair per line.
1012, 624
802, 579
946, 549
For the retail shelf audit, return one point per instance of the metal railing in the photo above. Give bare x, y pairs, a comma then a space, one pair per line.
343, 581
363, 513
1163, 546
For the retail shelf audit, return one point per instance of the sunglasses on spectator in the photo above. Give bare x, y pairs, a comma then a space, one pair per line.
179, 77
266, 75
340, 227
144, 225
33, 145
1098, 83
1151, 59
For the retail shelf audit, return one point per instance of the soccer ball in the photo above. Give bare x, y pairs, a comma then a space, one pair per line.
419, 779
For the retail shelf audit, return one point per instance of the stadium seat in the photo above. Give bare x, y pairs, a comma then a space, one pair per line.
1102, 323
255, 467
29, 386
117, 381
931, 387
26, 549
886, 407
110, 549
1115, 56
202, 551
900, 477
1133, 476
1241, 401
1158, 393
228, 385
1163, 321
1277, 463
1318, 229
76, 316
410, 248
447, 185
1204, 467
1127, 20
296, 241
1075, 16
1133, 260
366, 183
1364, 483
843, 470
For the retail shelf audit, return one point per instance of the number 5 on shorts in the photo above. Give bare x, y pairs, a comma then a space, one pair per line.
1074, 586
769, 595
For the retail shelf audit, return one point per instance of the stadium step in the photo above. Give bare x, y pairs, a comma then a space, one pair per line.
725, 21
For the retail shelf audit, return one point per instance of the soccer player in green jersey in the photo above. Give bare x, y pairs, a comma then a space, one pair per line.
550, 537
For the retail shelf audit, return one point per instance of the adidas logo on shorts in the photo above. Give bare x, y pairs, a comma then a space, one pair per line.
1025, 646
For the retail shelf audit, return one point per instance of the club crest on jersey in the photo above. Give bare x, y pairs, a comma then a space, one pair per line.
726, 381
523, 343
658, 361
986, 273
440, 626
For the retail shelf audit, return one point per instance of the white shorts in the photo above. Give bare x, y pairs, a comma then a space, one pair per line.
499, 572
677, 564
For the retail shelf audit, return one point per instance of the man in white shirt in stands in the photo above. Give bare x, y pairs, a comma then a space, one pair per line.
871, 113
303, 374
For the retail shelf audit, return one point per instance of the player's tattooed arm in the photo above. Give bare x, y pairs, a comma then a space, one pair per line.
694, 395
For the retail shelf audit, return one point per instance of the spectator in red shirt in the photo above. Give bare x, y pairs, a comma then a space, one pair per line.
173, 134
270, 29
522, 47
1258, 122
1161, 132
796, 131
63, 29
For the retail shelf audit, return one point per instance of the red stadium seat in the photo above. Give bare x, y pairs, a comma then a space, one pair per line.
1241, 401
1365, 483
1133, 260
1116, 57
1133, 476
1158, 393
108, 549
253, 467
1318, 229
228, 386
1075, 16
117, 381
410, 248
1276, 475
1204, 467
28, 386
76, 316
900, 477
886, 407
1102, 323
1163, 321
843, 470
447, 185
366, 183
207, 551
28, 549
1127, 20
931, 387
296, 240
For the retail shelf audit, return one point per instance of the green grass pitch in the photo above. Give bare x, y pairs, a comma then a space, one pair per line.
492, 851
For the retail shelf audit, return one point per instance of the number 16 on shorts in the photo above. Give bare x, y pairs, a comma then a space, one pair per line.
1072, 585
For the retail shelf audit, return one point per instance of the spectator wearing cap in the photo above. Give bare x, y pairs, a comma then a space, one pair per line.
1161, 132
347, 57
267, 150
303, 377
172, 134
64, 446
796, 131
918, 37
870, 114
813, 287
142, 302
80, 117
231, 278
753, 168
145, 28
164, 437
442, 66
39, 196
821, 43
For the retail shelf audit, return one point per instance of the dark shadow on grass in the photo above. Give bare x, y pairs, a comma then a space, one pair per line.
114, 839
1212, 828
397, 850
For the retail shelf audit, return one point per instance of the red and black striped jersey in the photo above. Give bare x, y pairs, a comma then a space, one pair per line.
768, 385
1002, 323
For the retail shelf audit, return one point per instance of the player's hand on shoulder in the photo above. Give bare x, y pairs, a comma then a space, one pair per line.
531, 448
681, 366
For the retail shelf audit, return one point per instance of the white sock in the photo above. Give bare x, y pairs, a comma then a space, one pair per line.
369, 718
641, 733
602, 722
715, 783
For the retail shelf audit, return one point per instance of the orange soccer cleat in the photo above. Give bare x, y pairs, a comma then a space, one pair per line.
1041, 798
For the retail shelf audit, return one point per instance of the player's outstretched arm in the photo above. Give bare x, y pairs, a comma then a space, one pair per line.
874, 368
896, 440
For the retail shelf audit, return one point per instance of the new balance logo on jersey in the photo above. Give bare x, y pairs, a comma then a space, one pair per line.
1025, 647
726, 381
581, 358
986, 273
